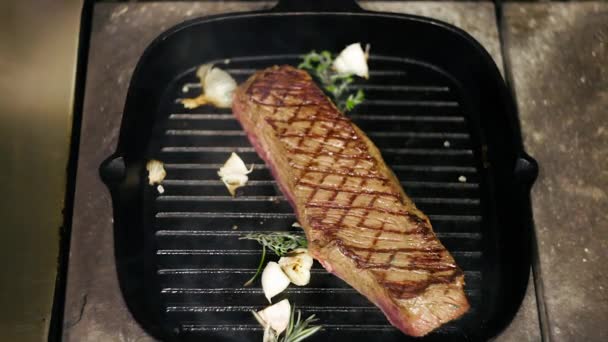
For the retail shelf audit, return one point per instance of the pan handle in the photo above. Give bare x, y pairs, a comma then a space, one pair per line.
526, 169
317, 6
113, 170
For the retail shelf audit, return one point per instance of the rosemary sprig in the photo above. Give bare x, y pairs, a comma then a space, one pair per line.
257, 272
337, 85
298, 329
280, 243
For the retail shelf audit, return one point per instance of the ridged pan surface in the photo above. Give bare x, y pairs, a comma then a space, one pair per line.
182, 265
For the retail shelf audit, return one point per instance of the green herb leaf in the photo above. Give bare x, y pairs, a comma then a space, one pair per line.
337, 85
280, 243
354, 100
259, 270
298, 330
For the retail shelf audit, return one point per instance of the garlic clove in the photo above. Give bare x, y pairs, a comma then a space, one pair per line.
269, 335
194, 102
217, 88
352, 60
275, 317
202, 71
156, 172
274, 281
234, 173
234, 164
296, 265
234, 181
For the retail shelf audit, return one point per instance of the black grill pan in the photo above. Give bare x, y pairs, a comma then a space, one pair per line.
436, 107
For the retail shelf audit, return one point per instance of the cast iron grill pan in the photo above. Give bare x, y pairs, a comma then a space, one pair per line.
202, 263
181, 263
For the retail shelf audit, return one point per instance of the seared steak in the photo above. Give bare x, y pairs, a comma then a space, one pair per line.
359, 222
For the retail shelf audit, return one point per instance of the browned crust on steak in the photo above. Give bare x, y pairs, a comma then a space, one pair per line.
359, 222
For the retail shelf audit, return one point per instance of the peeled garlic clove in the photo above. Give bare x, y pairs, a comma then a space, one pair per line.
276, 316
274, 281
156, 172
219, 87
269, 335
234, 173
352, 60
297, 266
234, 181
202, 71
233, 165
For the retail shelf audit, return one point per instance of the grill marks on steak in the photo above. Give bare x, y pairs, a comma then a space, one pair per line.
347, 200
321, 131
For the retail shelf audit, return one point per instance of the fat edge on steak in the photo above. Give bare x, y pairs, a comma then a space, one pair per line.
360, 224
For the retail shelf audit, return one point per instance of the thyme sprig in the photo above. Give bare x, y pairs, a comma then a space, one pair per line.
280, 243
353, 100
337, 85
